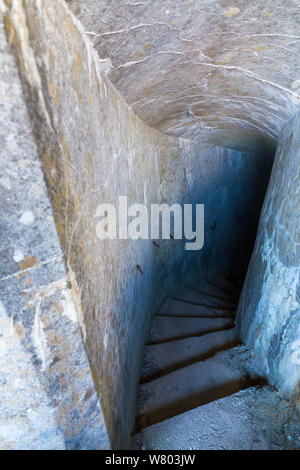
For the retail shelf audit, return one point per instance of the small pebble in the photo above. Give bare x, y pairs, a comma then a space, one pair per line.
18, 256
27, 218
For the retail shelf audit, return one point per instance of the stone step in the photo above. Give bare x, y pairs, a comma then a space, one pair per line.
173, 328
229, 423
161, 359
205, 287
193, 296
226, 285
187, 388
185, 309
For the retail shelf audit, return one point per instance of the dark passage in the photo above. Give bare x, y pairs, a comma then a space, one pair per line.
188, 359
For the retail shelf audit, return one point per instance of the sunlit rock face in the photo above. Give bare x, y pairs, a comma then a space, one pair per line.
191, 68
48, 398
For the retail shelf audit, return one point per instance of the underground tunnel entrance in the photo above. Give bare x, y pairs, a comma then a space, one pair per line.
187, 356
88, 118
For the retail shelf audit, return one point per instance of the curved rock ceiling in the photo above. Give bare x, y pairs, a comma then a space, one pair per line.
194, 68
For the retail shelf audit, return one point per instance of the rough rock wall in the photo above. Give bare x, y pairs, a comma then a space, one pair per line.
48, 398
196, 67
269, 310
94, 148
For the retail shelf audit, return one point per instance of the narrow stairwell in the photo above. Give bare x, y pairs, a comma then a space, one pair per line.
185, 362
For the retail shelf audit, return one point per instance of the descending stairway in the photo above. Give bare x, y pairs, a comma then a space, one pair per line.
185, 365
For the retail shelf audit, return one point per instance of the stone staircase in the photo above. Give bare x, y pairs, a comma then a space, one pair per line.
186, 363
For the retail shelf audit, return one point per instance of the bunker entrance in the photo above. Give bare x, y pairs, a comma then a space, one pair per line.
187, 358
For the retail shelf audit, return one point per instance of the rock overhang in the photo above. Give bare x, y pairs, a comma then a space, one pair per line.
191, 69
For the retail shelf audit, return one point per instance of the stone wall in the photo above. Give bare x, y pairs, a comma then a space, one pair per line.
93, 148
48, 398
269, 310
